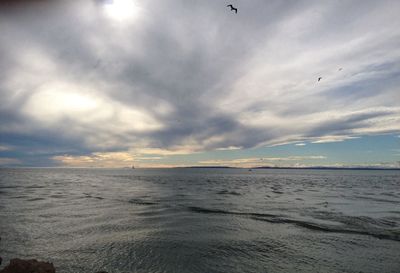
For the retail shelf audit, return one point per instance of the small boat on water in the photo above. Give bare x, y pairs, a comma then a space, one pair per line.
132, 167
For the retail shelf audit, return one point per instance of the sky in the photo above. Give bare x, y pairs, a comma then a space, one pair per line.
155, 83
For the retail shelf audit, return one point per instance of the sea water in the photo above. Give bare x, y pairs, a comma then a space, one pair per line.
202, 220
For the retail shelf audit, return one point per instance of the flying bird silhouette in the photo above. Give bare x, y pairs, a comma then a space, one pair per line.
319, 78
340, 69
232, 8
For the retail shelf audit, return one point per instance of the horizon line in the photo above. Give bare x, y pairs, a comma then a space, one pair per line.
213, 167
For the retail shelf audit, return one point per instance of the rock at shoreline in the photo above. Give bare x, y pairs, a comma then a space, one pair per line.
28, 266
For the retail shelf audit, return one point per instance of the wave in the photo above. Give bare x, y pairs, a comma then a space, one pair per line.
35, 187
142, 202
279, 219
218, 211
378, 199
10, 187
92, 196
36, 199
395, 236
226, 192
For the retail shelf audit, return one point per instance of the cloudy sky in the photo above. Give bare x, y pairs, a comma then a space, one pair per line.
155, 83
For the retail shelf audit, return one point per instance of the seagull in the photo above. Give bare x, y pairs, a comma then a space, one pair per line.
340, 69
232, 8
319, 78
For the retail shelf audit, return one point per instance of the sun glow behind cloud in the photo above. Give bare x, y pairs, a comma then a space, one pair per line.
86, 111
98, 160
123, 11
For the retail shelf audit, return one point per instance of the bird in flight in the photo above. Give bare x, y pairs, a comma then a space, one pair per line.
232, 8
319, 78
340, 69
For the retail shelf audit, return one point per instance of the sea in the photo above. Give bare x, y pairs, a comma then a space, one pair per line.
188, 220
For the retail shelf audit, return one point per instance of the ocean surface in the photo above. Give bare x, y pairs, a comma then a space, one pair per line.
202, 220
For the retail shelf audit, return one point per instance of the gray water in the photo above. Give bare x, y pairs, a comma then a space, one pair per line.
202, 220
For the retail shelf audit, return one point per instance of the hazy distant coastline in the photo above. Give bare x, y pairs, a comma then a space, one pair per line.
294, 168
217, 167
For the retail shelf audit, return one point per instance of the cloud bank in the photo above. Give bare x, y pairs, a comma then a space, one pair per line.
87, 77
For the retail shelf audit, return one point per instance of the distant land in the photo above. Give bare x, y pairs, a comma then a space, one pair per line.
218, 167
294, 168
209, 167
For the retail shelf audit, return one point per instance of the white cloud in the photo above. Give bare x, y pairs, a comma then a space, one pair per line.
329, 139
230, 148
5, 148
149, 158
86, 113
9, 161
164, 152
165, 81
103, 160
256, 161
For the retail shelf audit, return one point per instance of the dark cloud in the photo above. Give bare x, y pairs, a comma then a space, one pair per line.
23, 3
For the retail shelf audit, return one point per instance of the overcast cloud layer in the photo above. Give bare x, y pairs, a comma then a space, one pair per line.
163, 77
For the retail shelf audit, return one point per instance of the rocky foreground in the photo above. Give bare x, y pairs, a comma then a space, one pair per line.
29, 266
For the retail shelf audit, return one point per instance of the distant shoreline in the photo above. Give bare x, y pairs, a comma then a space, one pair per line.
215, 167
293, 168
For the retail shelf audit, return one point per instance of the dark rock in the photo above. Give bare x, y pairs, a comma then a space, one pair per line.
28, 266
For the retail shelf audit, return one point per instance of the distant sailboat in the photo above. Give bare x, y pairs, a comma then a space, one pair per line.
132, 167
